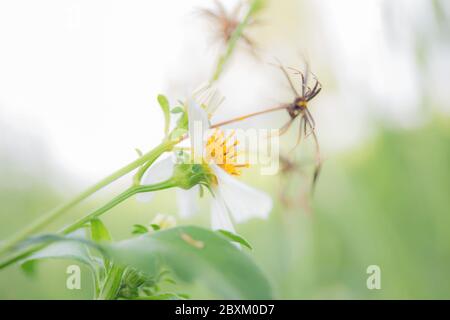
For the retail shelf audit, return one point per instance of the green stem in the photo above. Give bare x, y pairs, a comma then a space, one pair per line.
237, 34
96, 280
118, 199
81, 222
112, 284
20, 256
54, 214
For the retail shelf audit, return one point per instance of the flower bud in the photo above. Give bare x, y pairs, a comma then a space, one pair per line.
164, 221
189, 175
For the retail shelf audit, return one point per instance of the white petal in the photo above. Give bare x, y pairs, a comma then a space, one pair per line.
158, 172
198, 124
164, 221
187, 201
215, 101
243, 201
209, 95
220, 219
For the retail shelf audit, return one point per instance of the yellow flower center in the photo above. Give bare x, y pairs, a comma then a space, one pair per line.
222, 150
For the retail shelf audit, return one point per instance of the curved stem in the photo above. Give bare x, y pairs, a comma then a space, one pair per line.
81, 222
223, 123
54, 214
118, 199
112, 284
318, 162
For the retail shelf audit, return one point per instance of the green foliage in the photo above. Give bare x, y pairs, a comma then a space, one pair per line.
71, 247
155, 227
177, 110
181, 128
99, 232
139, 229
164, 104
165, 296
391, 209
195, 253
210, 256
139, 285
235, 237
192, 253
187, 175
177, 133
384, 204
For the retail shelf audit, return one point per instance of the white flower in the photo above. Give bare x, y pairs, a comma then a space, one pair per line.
164, 221
232, 199
230, 195
160, 171
187, 201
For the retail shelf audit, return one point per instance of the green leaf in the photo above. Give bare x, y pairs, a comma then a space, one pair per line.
139, 229
99, 232
183, 121
177, 133
169, 280
164, 296
195, 253
177, 110
155, 227
71, 247
164, 103
235, 237
29, 267
139, 152
113, 282
192, 253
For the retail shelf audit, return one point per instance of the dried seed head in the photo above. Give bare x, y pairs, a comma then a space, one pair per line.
225, 23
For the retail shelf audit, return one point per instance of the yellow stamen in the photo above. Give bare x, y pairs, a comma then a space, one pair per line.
222, 151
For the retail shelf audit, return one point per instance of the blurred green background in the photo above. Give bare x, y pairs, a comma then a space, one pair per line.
383, 197
386, 203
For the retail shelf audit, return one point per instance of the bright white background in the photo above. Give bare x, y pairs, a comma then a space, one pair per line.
83, 75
